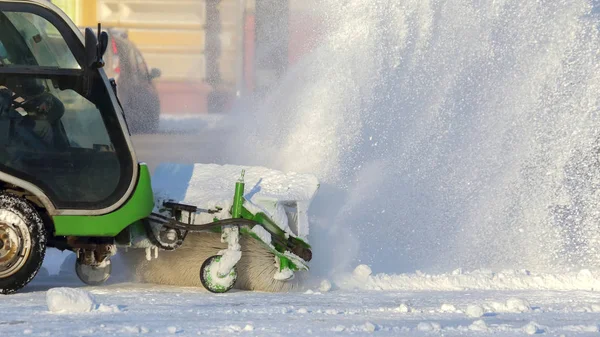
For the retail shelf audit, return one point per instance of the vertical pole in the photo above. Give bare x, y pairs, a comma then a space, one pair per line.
238, 198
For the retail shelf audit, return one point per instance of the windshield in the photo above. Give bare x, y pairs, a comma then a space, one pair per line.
58, 125
30, 40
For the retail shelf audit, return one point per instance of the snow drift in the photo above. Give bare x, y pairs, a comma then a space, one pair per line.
482, 279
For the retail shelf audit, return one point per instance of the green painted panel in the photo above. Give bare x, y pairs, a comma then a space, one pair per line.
139, 206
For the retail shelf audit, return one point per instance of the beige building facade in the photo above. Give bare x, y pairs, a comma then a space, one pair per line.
207, 50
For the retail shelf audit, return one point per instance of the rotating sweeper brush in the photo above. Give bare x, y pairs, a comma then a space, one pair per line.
255, 241
69, 179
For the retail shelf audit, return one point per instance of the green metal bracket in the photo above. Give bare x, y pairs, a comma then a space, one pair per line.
238, 198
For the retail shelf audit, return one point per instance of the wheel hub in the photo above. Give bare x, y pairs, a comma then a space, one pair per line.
9, 243
15, 243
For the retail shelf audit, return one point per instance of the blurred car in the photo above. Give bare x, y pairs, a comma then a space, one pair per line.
135, 87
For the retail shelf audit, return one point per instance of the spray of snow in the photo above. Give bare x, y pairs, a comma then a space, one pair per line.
447, 134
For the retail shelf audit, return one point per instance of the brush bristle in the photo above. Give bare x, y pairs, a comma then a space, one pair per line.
182, 266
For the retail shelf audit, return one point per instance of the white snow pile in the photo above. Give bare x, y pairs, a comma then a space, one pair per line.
532, 328
448, 308
363, 278
474, 311
512, 305
70, 300
403, 308
478, 325
362, 273
212, 186
325, 286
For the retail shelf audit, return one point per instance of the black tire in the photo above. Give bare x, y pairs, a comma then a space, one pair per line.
93, 276
19, 272
205, 277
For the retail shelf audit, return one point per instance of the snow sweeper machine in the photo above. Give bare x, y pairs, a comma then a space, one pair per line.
69, 179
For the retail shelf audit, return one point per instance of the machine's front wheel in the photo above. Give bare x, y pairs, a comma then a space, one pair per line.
210, 278
22, 243
93, 275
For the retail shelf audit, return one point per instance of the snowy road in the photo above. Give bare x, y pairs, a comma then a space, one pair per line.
401, 305
161, 311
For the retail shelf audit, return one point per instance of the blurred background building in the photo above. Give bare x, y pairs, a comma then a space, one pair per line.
208, 51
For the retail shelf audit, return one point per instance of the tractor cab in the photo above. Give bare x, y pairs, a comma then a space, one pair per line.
68, 174
61, 131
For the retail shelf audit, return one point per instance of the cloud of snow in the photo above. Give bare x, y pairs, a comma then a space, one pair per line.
446, 134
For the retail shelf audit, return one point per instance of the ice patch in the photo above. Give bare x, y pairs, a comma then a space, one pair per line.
68, 300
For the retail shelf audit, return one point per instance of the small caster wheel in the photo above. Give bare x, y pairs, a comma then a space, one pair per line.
211, 280
93, 275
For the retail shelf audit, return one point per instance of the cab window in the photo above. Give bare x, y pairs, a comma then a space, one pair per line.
45, 45
61, 131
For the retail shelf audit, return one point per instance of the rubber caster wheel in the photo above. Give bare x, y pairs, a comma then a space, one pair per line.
93, 276
211, 280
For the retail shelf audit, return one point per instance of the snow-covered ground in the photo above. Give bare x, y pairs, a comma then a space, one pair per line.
433, 155
124, 309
